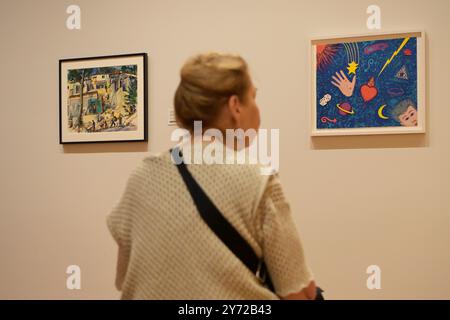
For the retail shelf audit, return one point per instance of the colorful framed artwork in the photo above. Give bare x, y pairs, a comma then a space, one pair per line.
373, 84
103, 99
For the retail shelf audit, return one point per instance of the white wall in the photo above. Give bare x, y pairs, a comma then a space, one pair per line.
388, 195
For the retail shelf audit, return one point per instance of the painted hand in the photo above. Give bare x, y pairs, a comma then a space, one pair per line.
343, 84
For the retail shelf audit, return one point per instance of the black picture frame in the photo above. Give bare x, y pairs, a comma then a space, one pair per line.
99, 136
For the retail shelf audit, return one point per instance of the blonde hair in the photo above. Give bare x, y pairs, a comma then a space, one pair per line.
207, 82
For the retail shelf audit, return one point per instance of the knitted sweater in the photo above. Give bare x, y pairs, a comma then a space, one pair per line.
167, 251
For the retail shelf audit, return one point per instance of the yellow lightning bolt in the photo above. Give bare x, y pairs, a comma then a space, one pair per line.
394, 54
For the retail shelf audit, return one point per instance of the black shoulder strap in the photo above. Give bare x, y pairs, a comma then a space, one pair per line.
221, 227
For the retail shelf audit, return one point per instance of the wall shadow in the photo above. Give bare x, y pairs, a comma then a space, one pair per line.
106, 147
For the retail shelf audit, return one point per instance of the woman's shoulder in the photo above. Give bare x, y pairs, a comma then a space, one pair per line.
146, 166
248, 172
152, 159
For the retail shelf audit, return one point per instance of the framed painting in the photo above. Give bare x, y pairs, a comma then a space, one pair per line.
373, 84
103, 99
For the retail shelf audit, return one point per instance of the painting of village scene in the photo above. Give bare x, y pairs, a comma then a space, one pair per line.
102, 99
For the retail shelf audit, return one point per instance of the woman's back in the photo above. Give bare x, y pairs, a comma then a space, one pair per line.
168, 252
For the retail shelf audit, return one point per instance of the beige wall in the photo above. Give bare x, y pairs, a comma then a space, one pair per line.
388, 196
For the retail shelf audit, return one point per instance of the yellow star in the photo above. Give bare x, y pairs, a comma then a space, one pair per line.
352, 66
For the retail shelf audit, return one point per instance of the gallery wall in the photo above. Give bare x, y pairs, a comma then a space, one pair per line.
357, 200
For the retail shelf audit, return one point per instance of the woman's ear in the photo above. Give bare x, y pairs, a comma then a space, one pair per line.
234, 107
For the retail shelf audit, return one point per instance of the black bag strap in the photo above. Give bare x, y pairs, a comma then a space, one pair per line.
220, 225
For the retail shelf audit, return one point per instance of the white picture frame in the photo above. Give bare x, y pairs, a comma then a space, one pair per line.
318, 45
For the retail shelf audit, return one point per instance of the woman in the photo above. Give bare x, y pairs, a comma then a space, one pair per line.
166, 250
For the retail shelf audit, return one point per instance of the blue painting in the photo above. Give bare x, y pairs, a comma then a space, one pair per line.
366, 84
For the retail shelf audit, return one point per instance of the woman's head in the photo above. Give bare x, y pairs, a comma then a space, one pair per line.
216, 89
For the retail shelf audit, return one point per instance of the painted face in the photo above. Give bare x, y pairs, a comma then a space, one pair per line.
409, 117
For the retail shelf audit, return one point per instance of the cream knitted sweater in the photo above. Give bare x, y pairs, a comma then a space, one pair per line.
166, 250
